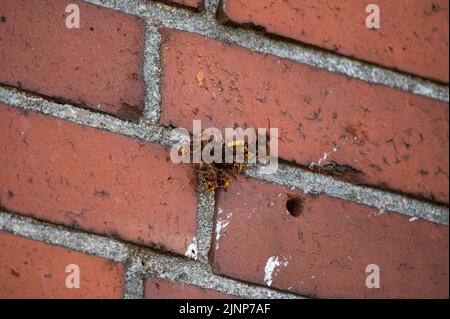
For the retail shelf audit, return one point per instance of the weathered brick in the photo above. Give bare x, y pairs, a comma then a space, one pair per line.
95, 180
324, 247
98, 65
32, 269
363, 133
157, 288
413, 36
196, 4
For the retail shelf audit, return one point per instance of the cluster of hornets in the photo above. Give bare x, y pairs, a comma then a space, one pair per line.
217, 176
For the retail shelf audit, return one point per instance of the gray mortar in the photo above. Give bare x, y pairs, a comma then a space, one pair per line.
152, 73
13, 97
199, 274
384, 201
63, 236
161, 15
134, 276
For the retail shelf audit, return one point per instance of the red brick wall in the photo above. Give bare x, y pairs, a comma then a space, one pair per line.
75, 65
196, 4
376, 130
410, 30
319, 251
32, 269
156, 288
81, 160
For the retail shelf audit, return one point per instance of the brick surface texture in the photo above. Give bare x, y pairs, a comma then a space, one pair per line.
95, 180
98, 65
32, 269
413, 35
320, 252
357, 209
382, 137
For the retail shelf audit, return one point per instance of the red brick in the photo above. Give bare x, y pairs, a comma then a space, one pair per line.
156, 288
32, 269
328, 247
196, 4
98, 66
95, 180
384, 137
413, 36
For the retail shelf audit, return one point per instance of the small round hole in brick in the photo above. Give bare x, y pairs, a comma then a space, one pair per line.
295, 206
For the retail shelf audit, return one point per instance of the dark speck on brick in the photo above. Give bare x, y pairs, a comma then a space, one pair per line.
15, 273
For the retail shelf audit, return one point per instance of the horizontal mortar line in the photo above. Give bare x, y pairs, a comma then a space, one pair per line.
113, 249
287, 175
149, 132
211, 7
200, 275
162, 15
384, 201
63, 236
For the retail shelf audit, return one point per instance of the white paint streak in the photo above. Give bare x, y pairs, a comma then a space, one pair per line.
191, 251
221, 224
271, 266
376, 214
325, 156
